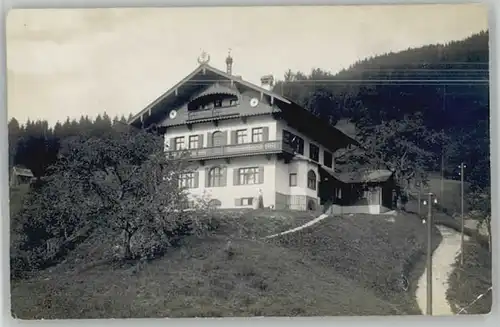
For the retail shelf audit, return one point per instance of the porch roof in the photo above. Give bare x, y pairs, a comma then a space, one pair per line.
360, 176
22, 172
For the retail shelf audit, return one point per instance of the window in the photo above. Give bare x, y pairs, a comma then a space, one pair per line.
246, 201
314, 152
208, 106
194, 141
247, 176
218, 139
215, 177
241, 136
311, 180
233, 102
293, 179
179, 143
296, 142
187, 180
218, 103
257, 135
327, 159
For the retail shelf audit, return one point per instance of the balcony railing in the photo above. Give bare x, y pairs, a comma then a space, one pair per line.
232, 150
212, 113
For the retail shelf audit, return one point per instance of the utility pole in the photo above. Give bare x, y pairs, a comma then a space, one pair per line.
442, 149
419, 186
429, 252
419, 201
442, 173
462, 167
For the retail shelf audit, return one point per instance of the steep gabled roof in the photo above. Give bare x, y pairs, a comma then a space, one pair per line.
203, 68
205, 75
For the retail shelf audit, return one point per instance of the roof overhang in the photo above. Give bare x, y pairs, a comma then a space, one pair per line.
203, 76
360, 177
320, 130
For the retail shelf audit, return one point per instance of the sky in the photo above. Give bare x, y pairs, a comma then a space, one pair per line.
68, 62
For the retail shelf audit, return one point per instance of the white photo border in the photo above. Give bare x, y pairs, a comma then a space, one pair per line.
455, 321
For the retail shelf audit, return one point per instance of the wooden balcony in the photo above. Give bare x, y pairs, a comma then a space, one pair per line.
215, 113
232, 150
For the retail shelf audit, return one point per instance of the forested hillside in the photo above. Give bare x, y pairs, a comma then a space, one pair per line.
443, 88
35, 144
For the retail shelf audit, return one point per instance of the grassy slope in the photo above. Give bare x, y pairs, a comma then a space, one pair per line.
250, 277
472, 280
476, 274
371, 250
202, 279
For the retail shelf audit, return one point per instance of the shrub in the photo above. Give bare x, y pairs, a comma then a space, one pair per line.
471, 280
121, 182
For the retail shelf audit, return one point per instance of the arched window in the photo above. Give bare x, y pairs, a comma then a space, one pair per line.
218, 138
215, 177
311, 180
214, 203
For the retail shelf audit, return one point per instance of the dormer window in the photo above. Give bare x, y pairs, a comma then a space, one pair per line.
216, 96
208, 106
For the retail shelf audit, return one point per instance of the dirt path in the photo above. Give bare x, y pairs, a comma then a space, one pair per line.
310, 223
442, 265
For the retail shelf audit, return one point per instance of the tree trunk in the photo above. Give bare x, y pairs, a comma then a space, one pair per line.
127, 252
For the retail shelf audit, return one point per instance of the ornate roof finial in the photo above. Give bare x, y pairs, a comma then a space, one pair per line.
229, 62
204, 58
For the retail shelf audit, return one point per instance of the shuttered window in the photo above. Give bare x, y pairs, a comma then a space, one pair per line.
194, 141
257, 135
179, 143
248, 176
188, 180
241, 136
215, 177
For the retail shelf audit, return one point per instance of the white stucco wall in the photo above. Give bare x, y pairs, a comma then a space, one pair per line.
230, 192
373, 209
276, 172
301, 168
282, 170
